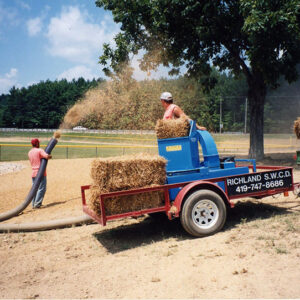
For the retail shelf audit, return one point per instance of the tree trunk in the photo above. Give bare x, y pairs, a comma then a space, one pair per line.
256, 96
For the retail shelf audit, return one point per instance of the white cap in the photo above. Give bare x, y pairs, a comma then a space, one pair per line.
166, 96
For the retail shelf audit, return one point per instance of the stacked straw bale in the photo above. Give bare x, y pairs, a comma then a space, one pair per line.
172, 128
297, 128
125, 173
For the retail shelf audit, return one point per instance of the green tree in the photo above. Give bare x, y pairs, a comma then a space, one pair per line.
282, 107
230, 94
257, 38
43, 104
3, 109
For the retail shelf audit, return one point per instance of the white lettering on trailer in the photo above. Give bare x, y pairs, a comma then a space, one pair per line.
257, 182
244, 180
229, 181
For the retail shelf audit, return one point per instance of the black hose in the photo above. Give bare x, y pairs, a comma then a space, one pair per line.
14, 212
44, 225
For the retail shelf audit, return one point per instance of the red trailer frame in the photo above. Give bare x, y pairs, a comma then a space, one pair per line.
174, 209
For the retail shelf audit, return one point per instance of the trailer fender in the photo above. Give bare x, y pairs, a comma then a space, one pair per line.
197, 185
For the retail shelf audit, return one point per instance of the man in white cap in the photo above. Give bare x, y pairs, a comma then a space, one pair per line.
173, 111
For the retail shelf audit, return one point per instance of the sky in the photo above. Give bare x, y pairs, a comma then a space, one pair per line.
55, 39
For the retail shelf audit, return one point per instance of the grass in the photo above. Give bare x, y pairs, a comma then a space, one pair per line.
245, 137
265, 238
290, 225
83, 136
77, 145
8, 153
109, 138
29, 134
279, 233
281, 250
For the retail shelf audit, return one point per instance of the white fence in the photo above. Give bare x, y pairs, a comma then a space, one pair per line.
105, 131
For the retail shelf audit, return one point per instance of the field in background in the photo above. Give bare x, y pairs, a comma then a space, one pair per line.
14, 145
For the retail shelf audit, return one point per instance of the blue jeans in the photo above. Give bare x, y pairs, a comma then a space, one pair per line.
37, 201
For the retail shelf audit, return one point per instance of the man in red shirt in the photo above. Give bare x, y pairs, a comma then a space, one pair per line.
35, 155
173, 111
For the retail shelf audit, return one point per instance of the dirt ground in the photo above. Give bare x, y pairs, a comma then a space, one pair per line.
256, 255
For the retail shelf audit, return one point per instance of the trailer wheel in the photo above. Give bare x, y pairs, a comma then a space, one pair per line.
203, 213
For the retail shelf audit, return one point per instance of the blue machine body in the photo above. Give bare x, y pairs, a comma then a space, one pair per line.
184, 163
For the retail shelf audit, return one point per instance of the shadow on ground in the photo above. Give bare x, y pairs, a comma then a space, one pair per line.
144, 232
149, 230
250, 211
54, 204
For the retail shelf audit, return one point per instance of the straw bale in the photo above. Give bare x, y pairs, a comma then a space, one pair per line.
125, 173
123, 204
172, 128
297, 128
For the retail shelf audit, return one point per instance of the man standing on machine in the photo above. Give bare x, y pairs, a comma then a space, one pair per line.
35, 155
173, 111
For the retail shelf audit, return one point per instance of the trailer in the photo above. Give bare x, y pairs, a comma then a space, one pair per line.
200, 186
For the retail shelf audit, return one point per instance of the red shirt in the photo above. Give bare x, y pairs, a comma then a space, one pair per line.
169, 113
35, 155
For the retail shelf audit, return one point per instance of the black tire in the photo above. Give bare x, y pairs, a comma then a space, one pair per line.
203, 213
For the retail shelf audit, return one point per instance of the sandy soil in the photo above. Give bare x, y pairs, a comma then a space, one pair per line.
256, 255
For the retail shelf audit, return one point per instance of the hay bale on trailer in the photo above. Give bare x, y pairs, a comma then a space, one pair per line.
297, 128
124, 173
172, 128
